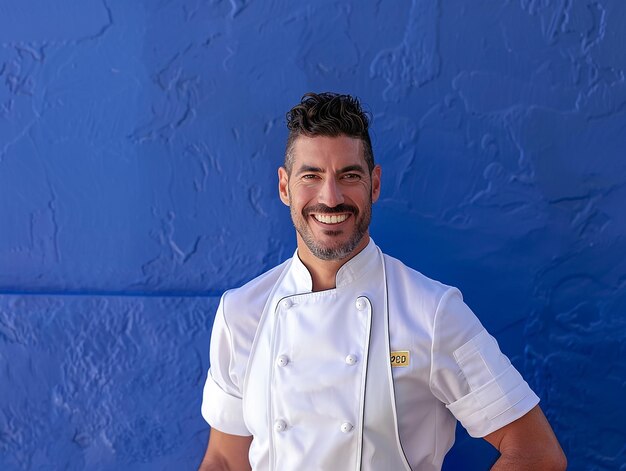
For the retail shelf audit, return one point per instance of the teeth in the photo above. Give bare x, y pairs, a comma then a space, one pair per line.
334, 219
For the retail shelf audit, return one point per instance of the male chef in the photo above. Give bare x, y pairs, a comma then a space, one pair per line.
343, 358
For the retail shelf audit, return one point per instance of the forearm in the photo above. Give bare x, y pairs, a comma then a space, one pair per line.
529, 462
226, 453
213, 465
528, 443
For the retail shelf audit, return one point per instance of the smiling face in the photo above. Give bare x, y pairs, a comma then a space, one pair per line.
330, 194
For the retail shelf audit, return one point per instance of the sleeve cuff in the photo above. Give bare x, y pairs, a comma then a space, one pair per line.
498, 403
221, 410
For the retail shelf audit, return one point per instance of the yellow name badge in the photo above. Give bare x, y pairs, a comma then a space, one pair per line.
400, 358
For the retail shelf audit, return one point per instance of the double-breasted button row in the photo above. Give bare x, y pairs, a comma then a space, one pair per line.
280, 426
361, 303
283, 360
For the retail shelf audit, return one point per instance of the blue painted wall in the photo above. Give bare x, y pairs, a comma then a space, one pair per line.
138, 150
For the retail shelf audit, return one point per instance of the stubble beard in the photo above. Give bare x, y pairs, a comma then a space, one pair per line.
332, 252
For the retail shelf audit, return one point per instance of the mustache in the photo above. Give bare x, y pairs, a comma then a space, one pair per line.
323, 209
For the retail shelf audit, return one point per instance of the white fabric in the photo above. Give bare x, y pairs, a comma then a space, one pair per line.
316, 390
455, 366
224, 409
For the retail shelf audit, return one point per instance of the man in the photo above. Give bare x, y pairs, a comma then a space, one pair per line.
343, 358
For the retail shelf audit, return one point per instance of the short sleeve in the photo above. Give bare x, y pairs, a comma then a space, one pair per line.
470, 374
222, 403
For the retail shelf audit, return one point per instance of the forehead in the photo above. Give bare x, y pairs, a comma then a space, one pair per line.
328, 152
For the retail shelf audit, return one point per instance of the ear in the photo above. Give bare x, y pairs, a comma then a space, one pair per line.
376, 173
283, 185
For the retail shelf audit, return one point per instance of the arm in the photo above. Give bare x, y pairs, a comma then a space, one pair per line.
226, 452
527, 443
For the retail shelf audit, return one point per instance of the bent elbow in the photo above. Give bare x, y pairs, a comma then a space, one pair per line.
555, 461
560, 462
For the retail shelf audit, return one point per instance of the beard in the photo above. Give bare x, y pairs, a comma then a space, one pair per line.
338, 250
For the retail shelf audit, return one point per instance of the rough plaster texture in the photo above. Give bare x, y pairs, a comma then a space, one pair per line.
138, 148
102, 382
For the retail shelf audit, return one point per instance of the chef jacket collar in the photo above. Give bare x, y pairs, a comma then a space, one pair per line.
363, 262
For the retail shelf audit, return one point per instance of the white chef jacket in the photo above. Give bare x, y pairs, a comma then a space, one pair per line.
369, 374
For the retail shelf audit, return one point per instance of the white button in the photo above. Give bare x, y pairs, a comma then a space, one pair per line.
360, 303
286, 303
280, 425
346, 427
282, 360
351, 359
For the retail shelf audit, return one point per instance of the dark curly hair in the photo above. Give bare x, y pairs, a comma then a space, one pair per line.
328, 114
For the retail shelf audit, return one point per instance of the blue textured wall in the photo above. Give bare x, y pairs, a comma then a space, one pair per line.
138, 148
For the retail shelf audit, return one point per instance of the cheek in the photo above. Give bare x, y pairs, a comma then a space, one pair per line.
359, 195
301, 196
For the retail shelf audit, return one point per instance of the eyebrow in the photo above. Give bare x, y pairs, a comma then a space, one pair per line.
352, 168
309, 168
349, 168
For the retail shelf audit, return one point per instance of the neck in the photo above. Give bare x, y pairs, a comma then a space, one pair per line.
324, 272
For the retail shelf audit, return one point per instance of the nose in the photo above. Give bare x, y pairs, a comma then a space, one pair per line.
330, 193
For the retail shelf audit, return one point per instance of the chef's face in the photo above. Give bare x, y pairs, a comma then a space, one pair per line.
330, 192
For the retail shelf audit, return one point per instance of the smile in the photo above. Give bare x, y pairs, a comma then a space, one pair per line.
331, 219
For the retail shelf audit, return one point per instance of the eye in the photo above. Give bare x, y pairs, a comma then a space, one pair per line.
309, 176
352, 177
